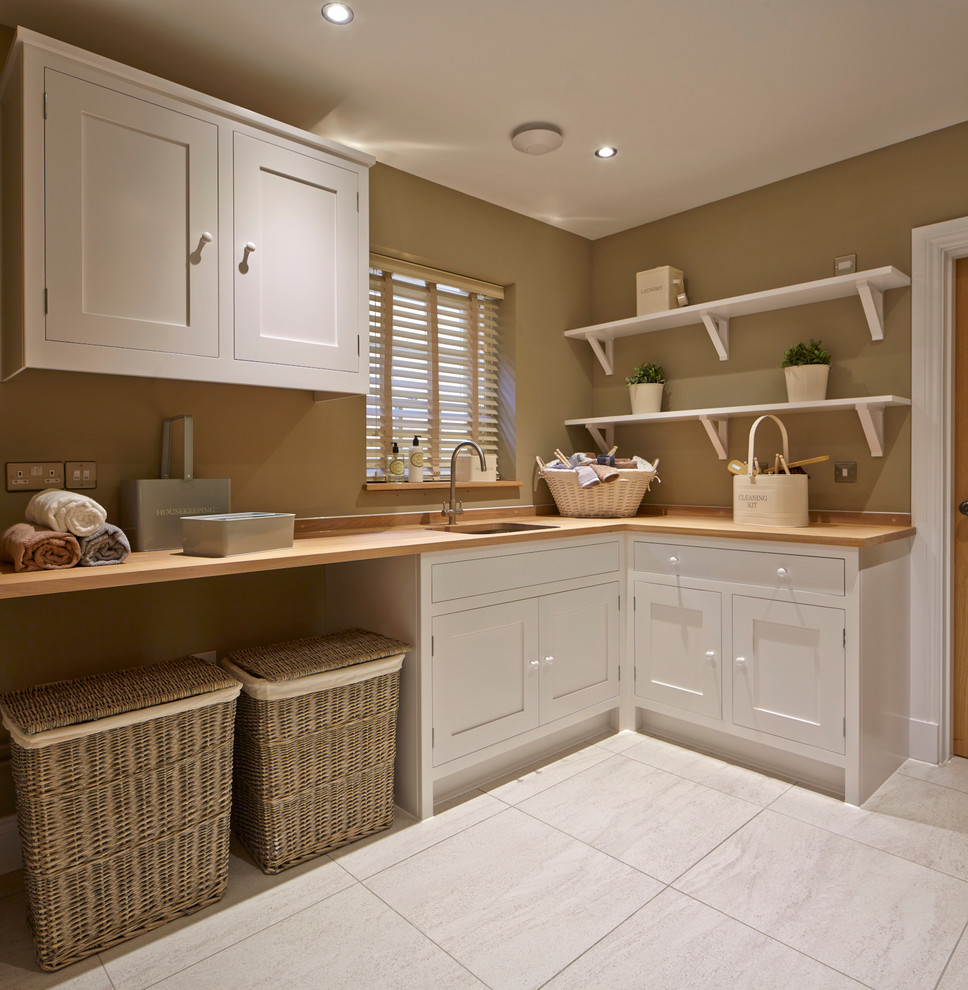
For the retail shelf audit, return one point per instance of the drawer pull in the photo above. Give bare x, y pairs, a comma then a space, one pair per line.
781, 572
674, 561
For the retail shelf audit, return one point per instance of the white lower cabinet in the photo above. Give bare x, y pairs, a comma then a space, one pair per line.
500, 670
792, 657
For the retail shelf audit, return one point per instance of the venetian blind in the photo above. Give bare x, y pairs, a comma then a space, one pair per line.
434, 364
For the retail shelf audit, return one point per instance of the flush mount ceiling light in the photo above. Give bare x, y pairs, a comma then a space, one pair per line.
536, 139
606, 151
337, 13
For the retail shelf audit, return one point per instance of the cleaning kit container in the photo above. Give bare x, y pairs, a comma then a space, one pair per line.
315, 743
778, 499
124, 786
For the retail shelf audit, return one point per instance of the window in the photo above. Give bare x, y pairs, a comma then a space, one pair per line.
433, 364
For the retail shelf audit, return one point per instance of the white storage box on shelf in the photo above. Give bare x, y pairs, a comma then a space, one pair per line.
657, 290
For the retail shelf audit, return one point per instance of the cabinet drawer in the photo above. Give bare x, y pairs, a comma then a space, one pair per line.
795, 572
504, 572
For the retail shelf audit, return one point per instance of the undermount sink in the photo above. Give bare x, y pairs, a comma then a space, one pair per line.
485, 528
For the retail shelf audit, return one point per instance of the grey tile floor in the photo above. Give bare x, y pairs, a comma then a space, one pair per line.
630, 863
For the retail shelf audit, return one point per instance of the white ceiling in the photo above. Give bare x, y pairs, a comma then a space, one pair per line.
704, 98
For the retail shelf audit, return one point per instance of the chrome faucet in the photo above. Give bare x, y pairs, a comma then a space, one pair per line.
453, 509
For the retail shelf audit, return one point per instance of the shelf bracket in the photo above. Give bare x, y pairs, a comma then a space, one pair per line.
872, 299
872, 423
606, 442
605, 355
718, 329
718, 432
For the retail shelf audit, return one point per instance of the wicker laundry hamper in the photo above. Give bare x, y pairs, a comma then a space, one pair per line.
315, 744
124, 786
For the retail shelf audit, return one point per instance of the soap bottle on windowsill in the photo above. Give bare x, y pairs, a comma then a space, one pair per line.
415, 466
396, 466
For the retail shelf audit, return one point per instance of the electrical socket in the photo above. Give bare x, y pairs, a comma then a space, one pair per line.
34, 476
80, 474
845, 264
209, 656
845, 472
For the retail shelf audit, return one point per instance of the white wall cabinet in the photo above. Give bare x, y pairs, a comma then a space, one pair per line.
129, 203
792, 658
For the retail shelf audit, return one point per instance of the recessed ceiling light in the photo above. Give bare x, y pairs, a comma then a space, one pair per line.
337, 13
607, 151
536, 139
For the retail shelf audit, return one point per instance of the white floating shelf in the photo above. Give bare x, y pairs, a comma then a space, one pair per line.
869, 286
869, 409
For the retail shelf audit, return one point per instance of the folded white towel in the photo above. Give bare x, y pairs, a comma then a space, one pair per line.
66, 511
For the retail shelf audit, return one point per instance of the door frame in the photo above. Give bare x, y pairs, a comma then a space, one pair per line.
934, 250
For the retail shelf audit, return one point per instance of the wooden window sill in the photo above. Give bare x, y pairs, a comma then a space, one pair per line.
406, 486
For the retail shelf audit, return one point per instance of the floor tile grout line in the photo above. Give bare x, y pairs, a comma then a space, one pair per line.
951, 956
425, 935
773, 938
614, 928
868, 845
933, 783
409, 856
234, 945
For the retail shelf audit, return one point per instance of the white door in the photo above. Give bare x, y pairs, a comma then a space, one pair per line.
486, 672
678, 648
788, 671
297, 287
131, 191
579, 649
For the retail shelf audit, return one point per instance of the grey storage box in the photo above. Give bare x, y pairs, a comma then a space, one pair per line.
237, 532
152, 508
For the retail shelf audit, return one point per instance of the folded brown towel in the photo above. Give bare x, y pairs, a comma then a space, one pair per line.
604, 472
35, 548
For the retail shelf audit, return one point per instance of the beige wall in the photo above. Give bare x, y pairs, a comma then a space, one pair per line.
282, 450
782, 234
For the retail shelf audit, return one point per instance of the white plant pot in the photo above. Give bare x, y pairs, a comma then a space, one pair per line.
806, 382
646, 398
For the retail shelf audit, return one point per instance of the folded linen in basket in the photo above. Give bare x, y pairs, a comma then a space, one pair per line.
36, 548
61, 510
108, 545
604, 472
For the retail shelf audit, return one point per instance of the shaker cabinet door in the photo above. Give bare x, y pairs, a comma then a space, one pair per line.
678, 648
131, 225
788, 671
485, 676
579, 642
296, 261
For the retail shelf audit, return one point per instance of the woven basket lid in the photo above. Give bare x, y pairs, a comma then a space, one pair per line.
315, 654
85, 699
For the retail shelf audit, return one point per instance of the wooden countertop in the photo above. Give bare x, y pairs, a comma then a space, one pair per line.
331, 546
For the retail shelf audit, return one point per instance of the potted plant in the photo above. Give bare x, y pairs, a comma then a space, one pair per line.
806, 367
645, 388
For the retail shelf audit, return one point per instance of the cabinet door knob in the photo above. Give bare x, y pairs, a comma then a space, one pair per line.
711, 654
781, 572
535, 663
741, 660
549, 660
247, 249
196, 256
